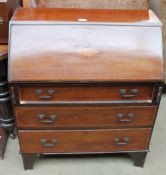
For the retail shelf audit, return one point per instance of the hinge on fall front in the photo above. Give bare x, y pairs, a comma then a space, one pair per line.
13, 95
159, 94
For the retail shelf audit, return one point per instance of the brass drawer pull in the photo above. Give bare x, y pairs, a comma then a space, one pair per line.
132, 93
46, 143
121, 141
39, 92
46, 120
125, 118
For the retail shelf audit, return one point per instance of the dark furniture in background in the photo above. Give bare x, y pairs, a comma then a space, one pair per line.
7, 9
7, 123
88, 83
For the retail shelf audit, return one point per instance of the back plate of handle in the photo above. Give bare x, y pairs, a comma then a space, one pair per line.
132, 93
45, 143
121, 141
47, 120
50, 93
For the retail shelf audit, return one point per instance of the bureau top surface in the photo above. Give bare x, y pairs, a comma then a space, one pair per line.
141, 17
63, 45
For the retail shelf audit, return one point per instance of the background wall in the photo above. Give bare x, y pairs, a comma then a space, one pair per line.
132, 4
159, 7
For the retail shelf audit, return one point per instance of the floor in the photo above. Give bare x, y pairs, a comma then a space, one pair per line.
155, 163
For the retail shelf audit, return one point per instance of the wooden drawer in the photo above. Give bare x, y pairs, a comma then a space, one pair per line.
70, 141
85, 93
84, 117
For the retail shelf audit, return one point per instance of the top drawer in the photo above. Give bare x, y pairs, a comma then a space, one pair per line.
84, 93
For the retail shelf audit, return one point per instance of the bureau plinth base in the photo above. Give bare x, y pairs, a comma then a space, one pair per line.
29, 158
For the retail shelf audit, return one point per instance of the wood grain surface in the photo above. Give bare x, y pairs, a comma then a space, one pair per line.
85, 92
92, 15
84, 117
95, 52
81, 141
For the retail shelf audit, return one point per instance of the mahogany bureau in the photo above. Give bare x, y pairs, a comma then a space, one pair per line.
85, 81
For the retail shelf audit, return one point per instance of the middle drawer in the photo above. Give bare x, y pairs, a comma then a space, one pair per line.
84, 117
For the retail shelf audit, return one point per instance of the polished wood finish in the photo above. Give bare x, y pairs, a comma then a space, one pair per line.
84, 117
85, 81
83, 141
92, 15
107, 58
84, 92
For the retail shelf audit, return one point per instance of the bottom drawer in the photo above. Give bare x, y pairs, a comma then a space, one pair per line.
84, 141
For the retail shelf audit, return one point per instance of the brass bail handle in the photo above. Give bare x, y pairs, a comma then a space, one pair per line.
125, 118
125, 94
47, 119
46, 143
50, 93
121, 141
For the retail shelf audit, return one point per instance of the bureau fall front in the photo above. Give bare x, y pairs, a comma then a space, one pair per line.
85, 81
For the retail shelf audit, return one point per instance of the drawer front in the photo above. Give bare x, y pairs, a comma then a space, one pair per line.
85, 93
84, 117
70, 141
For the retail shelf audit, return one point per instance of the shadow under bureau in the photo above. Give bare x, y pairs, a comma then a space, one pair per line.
85, 83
